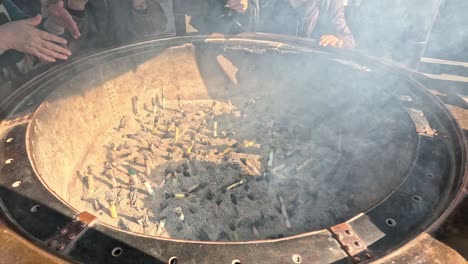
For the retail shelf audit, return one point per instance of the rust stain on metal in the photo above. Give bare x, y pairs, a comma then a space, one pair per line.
63, 241
351, 243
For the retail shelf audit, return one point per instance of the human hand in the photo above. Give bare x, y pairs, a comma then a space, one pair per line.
58, 15
77, 4
238, 5
331, 40
23, 36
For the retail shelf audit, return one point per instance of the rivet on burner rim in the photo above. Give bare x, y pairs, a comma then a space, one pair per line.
338, 236
356, 259
52, 243
83, 224
368, 255
63, 231
71, 236
60, 247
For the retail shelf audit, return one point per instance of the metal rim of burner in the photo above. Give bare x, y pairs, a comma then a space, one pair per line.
378, 230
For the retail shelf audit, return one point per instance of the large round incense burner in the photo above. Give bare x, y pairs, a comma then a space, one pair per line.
249, 149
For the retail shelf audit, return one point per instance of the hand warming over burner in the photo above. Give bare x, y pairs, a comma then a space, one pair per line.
23, 36
331, 40
238, 5
58, 16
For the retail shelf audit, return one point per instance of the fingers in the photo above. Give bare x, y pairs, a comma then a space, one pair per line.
62, 17
43, 57
323, 41
70, 24
329, 40
52, 54
337, 43
34, 21
58, 49
44, 46
47, 36
49, 52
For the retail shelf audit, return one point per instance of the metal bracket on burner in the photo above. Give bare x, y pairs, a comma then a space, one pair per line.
421, 123
66, 237
351, 243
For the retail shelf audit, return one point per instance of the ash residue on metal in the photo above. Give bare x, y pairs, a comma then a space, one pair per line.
209, 170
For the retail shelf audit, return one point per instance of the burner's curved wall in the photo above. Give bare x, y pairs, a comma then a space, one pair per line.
338, 97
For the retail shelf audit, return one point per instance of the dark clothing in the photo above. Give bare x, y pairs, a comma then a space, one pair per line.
303, 18
28, 7
315, 18
208, 16
112, 22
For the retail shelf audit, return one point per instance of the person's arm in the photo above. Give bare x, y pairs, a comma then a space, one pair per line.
23, 36
342, 37
77, 9
58, 18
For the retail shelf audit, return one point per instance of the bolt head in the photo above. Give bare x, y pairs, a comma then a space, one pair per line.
52, 243
356, 259
71, 236
60, 247
368, 256
63, 231
83, 224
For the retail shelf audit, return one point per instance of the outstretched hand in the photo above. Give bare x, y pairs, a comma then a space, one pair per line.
23, 36
60, 16
238, 5
331, 40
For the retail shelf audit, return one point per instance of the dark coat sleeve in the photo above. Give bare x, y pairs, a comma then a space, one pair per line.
337, 18
14, 12
210, 16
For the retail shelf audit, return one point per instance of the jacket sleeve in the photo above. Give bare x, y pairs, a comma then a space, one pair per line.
14, 12
338, 21
209, 16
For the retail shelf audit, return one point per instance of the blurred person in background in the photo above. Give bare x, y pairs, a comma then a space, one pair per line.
221, 16
323, 20
102, 23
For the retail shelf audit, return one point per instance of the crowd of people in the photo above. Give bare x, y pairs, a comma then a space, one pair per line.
63, 27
